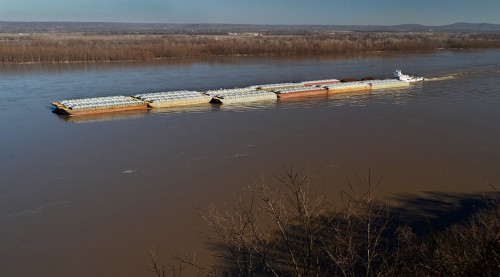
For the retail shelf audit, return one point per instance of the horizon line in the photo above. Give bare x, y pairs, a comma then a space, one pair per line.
257, 24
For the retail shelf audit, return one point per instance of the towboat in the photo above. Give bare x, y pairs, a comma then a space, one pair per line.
407, 78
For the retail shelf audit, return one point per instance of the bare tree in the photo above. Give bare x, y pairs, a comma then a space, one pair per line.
174, 267
108, 48
289, 230
277, 232
286, 229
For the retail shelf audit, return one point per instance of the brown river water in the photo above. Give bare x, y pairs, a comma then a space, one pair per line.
90, 196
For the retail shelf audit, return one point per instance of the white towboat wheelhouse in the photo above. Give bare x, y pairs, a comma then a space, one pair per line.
407, 78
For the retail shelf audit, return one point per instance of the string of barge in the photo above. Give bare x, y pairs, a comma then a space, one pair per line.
144, 101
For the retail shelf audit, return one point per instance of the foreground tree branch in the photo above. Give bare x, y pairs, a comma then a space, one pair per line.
286, 229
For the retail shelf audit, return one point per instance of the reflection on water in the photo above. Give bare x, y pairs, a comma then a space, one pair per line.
360, 98
213, 107
58, 68
99, 117
90, 199
201, 108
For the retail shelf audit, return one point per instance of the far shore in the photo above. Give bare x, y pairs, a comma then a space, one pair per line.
92, 48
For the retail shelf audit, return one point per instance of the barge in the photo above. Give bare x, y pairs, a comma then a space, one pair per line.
301, 91
347, 87
244, 96
87, 106
273, 87
387, 84
219, 92
320, 82
173, 98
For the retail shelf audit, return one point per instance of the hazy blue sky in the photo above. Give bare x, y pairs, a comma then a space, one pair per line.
357, 12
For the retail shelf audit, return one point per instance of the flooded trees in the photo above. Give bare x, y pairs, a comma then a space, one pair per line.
52, 48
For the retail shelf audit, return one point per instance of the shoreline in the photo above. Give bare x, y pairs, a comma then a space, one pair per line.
163, 59
82, 48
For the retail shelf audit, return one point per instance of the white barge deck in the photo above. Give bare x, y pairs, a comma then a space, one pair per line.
387, 84
349, 86
173, 98
86, 106
241, 95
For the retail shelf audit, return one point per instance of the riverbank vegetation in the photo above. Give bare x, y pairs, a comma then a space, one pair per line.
57, 48
289, 230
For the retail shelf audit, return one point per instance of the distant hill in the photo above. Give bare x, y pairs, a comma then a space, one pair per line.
470, 27
165, 28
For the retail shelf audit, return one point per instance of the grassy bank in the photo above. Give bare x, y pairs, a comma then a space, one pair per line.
54, 48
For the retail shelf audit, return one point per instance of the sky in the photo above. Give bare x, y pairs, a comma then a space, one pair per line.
310, 12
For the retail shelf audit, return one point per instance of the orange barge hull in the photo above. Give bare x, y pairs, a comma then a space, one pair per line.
304, 93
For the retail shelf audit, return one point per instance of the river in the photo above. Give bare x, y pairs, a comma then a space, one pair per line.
90, 196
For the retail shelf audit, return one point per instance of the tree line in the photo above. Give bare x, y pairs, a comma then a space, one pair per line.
54, 48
